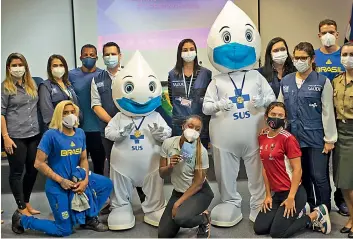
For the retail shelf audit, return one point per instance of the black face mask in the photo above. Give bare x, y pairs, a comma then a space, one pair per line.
275, 123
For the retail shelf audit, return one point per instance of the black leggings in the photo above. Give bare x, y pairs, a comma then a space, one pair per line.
96, 150
273, 223
189, 214
24, 155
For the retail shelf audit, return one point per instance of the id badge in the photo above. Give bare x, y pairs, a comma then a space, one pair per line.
185, 102
187, 152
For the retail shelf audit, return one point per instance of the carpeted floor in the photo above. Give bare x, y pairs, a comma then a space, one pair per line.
142, 230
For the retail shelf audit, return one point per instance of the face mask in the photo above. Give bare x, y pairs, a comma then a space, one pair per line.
302, 66
279, 57
275, 123
328, 40
111, 61
347, 62
89, 62
17, 71
69, 121
58, 72
188, 56
191, 135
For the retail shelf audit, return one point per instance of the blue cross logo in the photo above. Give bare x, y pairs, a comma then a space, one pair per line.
137, 139
234, 99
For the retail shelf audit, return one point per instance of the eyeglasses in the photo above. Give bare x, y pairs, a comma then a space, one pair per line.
302, 58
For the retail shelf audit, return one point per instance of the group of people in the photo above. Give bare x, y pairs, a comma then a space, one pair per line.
53, 125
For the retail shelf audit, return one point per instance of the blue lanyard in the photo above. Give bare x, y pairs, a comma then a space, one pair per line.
138, 127
238, 91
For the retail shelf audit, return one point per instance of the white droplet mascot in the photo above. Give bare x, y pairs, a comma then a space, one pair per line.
137, 131
235, 99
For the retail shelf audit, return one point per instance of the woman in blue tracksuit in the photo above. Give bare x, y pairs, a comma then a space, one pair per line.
278, 63
187, 85
63, 146
56, 88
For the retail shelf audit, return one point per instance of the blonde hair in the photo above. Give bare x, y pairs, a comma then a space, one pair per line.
198, 144
29, 84
57, 120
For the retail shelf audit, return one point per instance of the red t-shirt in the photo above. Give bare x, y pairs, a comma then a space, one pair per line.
275, 153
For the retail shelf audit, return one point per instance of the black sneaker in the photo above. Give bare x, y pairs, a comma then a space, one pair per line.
16, 223
94, 224
105, 210
204, 230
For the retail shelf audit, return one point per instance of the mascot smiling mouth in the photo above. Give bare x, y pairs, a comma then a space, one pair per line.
137, 108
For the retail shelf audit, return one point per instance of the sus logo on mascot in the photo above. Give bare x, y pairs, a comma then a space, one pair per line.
137, 131
235, 99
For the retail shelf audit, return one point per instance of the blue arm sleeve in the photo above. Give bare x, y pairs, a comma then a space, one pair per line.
46, 143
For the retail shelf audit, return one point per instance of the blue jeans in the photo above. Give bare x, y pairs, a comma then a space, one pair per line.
315, 178
59, 202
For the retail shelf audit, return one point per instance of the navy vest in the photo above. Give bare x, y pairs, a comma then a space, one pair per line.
58, 95
104, 87
201, 80
304, 108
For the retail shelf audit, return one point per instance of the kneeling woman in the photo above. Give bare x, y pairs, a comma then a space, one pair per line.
283, 213
69, 180
186, 160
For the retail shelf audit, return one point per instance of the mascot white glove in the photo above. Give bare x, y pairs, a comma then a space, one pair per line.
158, 132
224, 104
258, 100
124, 132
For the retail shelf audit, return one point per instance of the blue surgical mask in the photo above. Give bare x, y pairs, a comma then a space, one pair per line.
89, 62
111, 61
234, 56
137, 108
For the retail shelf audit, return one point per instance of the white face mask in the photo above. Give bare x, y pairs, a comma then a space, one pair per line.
328, 40
17, 71
302, 66
279, 57
58, 72
191, 135
188, 56
70, 120
347, 62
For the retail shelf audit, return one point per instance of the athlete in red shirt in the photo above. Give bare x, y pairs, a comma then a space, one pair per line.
282, 214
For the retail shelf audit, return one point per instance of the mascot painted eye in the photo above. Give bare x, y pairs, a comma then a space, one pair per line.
152, 86
226, 37
249, 35
129, 87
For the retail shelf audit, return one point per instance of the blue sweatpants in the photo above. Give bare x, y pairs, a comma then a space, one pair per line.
59, 202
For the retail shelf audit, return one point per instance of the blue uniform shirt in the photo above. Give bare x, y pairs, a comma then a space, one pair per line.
328, 65
81, 82
64, 152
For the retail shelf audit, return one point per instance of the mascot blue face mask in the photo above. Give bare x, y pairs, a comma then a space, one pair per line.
233, 45
136, 91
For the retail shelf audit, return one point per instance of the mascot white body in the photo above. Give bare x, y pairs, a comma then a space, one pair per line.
235, 99
137, 131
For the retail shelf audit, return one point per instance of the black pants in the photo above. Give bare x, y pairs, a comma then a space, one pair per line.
189, 213
273, 223
24, 155
315, 173
95, 149
108, 145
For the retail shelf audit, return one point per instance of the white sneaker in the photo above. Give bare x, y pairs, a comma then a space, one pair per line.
304, 211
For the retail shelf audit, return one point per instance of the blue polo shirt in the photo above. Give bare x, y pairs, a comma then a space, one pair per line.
329, 65
81, 81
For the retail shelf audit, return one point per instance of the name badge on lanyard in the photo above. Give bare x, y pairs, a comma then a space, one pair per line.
186, 101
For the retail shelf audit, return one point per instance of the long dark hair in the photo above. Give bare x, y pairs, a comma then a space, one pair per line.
65, 77
309, 49
288, 66
178, 69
